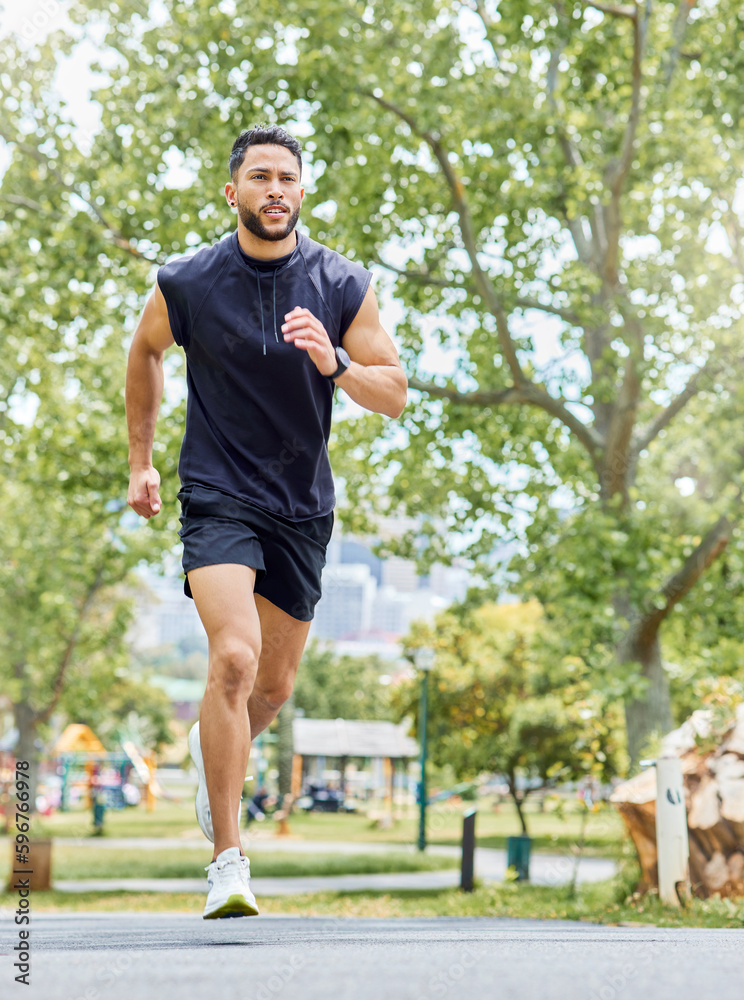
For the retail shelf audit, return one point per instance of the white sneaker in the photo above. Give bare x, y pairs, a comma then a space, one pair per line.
203, 812
229, 891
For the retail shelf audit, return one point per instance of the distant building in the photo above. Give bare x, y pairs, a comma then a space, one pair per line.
345, 610
390, 611
400, 574
365, 598
450, 582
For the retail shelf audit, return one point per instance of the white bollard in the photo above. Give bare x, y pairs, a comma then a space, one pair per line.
672, 847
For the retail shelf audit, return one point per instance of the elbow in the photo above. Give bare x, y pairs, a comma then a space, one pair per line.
398, 404
143, 354
399, 409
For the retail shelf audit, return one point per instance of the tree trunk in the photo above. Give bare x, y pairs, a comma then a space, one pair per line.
652, 714
285, 746
518, 802
26, 722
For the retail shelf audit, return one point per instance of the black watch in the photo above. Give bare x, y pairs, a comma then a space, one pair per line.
343, 362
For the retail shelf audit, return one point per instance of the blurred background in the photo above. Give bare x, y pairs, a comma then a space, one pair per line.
549, 196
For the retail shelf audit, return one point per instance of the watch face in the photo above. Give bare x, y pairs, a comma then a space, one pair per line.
343, 357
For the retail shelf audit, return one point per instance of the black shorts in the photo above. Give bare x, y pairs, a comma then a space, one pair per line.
288, 556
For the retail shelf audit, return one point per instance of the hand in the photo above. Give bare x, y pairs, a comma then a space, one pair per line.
143, 496
306, 332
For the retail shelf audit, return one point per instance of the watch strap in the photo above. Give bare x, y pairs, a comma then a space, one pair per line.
342, 366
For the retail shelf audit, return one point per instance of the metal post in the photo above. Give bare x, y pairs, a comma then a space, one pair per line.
672, 846
422, 784
467, 867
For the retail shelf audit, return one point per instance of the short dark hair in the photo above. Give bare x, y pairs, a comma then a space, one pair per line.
262, 135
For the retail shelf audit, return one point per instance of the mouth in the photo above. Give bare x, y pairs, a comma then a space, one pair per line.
275, 210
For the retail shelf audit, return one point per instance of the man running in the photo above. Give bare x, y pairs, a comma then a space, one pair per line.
261, 316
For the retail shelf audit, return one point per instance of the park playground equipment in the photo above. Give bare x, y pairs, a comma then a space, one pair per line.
87, 769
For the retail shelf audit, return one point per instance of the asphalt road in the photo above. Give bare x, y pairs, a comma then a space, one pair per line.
155, 956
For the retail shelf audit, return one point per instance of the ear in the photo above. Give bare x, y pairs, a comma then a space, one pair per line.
231, 193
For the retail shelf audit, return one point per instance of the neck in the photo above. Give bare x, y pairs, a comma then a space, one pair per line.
254, 246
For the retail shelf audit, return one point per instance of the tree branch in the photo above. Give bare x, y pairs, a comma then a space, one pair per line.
678, 33
526, 302
483, 283
528, 393
119, 239
423, 277
573, 159
618, 465
59, 677
618, 171
663, 419
703, 556
523, 301
630, 12
34, 206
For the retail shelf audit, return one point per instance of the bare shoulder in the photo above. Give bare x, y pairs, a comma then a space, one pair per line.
154, 331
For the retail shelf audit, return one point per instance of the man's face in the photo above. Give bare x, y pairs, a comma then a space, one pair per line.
268, 192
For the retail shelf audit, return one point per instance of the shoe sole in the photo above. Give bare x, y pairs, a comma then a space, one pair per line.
234, 906
201, 804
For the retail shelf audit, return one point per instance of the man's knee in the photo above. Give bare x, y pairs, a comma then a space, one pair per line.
233, 667
274, 694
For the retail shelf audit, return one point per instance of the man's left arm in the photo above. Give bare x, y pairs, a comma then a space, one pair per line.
374, 379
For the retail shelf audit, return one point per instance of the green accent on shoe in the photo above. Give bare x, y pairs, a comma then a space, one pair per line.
234, 906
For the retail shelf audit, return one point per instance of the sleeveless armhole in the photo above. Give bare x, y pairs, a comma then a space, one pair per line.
208, 291
175, 305
177, 290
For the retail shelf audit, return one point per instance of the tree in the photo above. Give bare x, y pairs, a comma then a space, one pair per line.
501, 703
551, 188
535, 171
66, 292
341, 687
117, 704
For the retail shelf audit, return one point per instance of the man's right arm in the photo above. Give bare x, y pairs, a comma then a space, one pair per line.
144, 390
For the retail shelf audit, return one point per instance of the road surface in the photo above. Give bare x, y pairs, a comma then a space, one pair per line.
152, 956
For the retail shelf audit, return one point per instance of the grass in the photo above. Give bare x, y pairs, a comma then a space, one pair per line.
611, 902
89, 863
550, 831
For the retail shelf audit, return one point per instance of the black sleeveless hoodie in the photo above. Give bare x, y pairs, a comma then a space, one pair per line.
258, 411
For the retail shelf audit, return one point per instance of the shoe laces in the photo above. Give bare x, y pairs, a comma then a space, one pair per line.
221, 869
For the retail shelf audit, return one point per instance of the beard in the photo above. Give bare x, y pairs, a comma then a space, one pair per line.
252, 222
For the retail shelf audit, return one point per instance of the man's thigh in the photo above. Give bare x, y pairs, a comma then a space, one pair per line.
223, 595
283, 640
